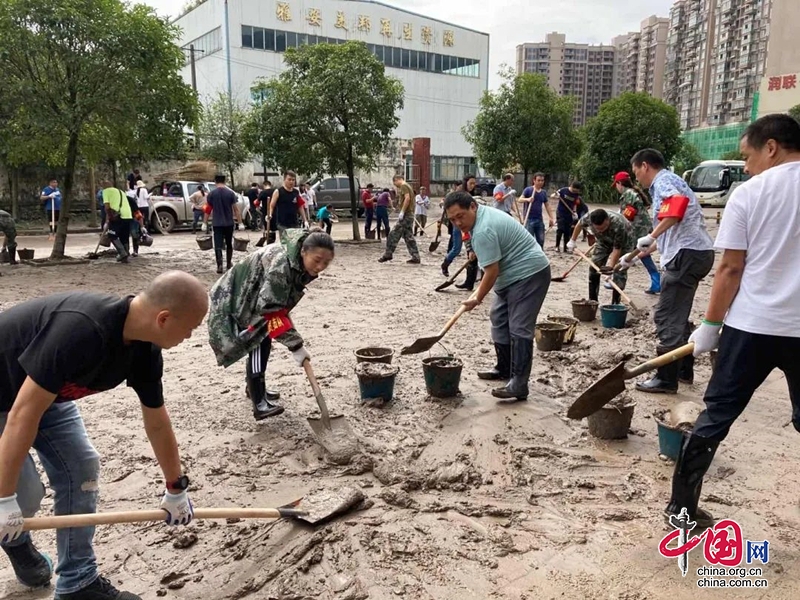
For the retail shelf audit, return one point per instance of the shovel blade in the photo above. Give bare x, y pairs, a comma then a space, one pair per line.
562, 278
434, 245
421, 345
600, 393
323, 505
338, 441
445, 285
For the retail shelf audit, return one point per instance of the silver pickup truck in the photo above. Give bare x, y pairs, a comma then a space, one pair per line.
171, 202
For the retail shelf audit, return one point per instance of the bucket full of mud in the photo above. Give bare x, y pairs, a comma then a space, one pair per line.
204, 242
670, 439
572, 327
442, 375
240, 244
376, 380
374, 354
613, 421
550, 336
585, 310
613, 316
25, 254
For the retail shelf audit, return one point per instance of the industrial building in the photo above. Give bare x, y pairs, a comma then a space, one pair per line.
443, 67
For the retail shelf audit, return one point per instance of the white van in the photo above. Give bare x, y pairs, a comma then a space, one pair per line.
712, 181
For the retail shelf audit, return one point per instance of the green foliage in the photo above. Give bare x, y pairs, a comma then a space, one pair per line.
733, 155
623, 126
220, 133
524, 124
795, 112
687, 158
92, 78
332, 111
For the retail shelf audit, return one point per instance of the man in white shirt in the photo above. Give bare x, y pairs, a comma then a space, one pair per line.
755, 294
422, 204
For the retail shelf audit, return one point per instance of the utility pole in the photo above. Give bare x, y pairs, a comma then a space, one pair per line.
228, 52
192, 65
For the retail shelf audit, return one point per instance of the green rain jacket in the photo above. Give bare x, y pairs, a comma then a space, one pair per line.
271, 279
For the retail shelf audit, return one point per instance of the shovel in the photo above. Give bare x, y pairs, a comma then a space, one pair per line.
611, 281
613, 383
332, 433
425, 344
312, 508
572, 268
435, 243
452, 280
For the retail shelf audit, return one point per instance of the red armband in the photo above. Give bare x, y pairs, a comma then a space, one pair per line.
673, 207
465, 237
207, 209
257, 203
278, 323
630, 212
499, 196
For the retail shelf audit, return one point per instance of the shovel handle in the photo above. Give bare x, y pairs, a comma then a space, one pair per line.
577, 262
452, 320
312, 379
611, 281
145, 516
661, 361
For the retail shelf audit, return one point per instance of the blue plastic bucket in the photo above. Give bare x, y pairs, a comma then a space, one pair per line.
376, 385
613, 316
670, 440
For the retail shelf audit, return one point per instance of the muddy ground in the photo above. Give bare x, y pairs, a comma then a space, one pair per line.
466, 498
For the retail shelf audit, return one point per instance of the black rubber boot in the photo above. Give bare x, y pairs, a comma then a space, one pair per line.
594, 286
502, 370
687, 481
521, 363
446, 268
262, 406
472, 275
122, 253
31, 567
385, 258
686, 372
616, 298
12, 255
99, 589
665, 380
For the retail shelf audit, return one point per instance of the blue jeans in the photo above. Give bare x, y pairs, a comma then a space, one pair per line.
73, 469
382, 214
197, 217
456, 250
536, 229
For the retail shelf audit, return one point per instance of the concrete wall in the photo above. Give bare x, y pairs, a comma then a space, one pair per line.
776, 93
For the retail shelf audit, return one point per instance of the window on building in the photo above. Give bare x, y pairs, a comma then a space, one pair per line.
280, 41
207, 44
258, 38
269, 40
247, 36
291, 39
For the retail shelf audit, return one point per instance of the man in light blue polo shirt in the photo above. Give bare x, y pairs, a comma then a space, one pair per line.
515, 265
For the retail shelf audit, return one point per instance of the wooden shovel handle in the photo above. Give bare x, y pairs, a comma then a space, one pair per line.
611, 281
452, 320
144, 516
312, 379
661, 361
577, 262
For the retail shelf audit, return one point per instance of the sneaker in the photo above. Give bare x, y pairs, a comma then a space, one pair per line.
31, 567
413, 261
219, 269
99, 589
385, 258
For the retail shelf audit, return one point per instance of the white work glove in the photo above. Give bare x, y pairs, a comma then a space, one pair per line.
203, 227
301, 355
11, 520
643, 243
624, 265
400, 216
241, 226
705, 337
178, 507
306, 225
571, 245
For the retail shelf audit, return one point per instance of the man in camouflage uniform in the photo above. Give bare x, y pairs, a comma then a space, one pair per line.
614, 239
9, 228
405, 224
249, 309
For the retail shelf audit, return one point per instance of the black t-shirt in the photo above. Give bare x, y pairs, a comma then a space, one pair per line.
71, 345
264, 197
286, 207
252, 194
221, 200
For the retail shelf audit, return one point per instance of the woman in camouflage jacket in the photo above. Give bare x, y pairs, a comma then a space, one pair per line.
634, 206
250, 308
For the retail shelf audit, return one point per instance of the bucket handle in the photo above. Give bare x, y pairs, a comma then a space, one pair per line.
449, 354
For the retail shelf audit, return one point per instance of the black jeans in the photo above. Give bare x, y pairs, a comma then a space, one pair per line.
370, 214
382, 213
328, 225
743, 363
122, 227
223, 234
564, 227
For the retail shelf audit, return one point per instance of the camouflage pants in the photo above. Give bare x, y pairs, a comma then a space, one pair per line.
600, 257
403, 229
9, 228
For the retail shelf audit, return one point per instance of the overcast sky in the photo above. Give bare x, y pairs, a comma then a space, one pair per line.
518, 21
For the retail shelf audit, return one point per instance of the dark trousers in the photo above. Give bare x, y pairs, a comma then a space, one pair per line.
122, 227
223, 234
382, 213
52, 217
197, 216
743, 363
516, 307
370, 215
679, 283
328, 225
452, 240
564, 228
600, 258
254, 220
420, 222
258, 359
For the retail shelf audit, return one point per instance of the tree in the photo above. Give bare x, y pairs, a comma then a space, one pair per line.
733, 155
333, 110
220, 133
87, 73
795, 112
525, 124
623, 126
687, 158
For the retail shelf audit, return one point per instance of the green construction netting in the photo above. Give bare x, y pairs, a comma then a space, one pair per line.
714, 142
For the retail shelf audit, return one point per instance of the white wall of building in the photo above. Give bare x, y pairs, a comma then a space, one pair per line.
436, 105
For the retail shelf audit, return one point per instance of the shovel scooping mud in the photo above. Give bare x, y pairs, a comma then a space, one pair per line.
611, 281
332, 433
612, 383
426, 343
452, 280
313, 508
572, 268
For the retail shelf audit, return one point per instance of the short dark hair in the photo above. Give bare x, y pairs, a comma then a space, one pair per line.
508, 176
458, 198
542, 175
219, 178
651, 156
318, 239
598, 216
253, 185
370, 186
136, 171
784, 129
397, 176
290, 174
576, 185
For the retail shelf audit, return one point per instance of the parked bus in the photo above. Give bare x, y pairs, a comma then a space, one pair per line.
712, 181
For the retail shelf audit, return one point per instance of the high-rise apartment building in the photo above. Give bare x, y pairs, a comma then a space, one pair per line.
641, 57
580, 70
